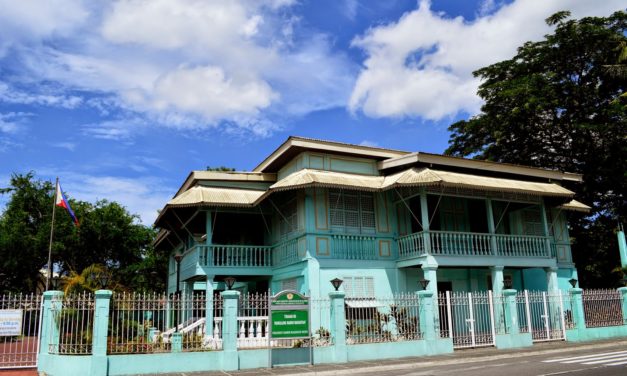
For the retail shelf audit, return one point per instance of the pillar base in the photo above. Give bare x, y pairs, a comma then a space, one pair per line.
177, 342
513, 341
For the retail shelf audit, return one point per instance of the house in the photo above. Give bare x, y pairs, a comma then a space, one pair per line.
379, 219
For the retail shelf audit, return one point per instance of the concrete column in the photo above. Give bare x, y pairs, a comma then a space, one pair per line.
577, 306
230, 360
53, 303
551, 279
623, 293
424, 218
491, 227
622, 248
427, 314
100, 332
511, 313
430, 272
496, 273
338, 326
209, 307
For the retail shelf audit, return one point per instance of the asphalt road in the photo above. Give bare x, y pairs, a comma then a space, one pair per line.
606, 361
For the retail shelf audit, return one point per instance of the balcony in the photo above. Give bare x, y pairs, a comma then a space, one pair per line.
468, 244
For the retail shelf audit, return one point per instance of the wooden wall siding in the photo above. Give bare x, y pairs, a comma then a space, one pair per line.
329, 162
300, 200
385, 248
381, 213
322, 246
316, 161
302, 246
403, 220
321, 208
352, 165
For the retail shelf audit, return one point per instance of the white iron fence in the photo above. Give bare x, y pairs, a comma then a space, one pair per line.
19, 334
74, 316
391, 319
467, 318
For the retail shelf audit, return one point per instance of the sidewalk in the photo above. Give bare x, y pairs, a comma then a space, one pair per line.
379, 366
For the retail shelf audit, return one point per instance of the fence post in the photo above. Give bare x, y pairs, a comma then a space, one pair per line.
49, 321
511, 312
427, 317
576, 302
338, 326
623, 293
100, 332
230, 360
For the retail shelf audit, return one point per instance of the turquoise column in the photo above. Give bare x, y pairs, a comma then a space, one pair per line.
230, 360
430, 272
511, 313
622, 247
623, 293
545, 227
209, 307
52, 305
427, 316
100, 332
551, 279
424, 217
491, 227
496, 273
338, 326
577, 306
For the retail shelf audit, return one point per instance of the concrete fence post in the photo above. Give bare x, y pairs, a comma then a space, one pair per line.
100, 333
338, 326
230, 360
623, 293
511, 313
427, 316
50, 322
576, 302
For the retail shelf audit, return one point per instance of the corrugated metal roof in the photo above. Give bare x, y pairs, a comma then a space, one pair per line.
199, 196
328, 179
575, 205
429, 177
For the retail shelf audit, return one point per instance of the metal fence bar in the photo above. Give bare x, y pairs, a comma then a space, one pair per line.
19, 341
75, 321
602, 307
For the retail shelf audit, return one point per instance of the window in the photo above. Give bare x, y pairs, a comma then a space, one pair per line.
289, 220
352, 211
289, 284
359, 287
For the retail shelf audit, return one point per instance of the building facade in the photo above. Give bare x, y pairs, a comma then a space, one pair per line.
379, 219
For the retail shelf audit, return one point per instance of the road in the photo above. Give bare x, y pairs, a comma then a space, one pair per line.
605, 361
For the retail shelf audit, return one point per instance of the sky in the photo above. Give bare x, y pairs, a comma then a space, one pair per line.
122, 99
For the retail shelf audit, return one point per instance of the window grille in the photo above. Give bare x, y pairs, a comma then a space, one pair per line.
289, 284
353, 211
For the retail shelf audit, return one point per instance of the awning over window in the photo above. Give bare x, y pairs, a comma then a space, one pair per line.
328, 179
212, 196
363, 303
575, 205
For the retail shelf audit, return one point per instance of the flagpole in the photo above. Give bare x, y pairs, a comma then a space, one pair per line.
54, 205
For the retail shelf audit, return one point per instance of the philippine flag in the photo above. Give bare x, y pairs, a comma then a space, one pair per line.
63, 202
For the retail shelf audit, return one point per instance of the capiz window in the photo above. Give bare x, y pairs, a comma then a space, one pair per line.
352, 211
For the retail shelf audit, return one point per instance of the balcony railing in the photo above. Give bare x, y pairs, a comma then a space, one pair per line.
234, 255
472, 244
353, 247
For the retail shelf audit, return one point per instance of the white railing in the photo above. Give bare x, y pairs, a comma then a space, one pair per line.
370, 320
235, 255
460, 243
286, 252
603, 307
521, 245
75, 317
411, 245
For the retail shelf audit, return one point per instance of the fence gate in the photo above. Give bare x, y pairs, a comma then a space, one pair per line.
467, 318
20, 320
542, 312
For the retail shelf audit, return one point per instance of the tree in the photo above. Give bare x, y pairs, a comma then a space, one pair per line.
108, 236
220, 169
560, 103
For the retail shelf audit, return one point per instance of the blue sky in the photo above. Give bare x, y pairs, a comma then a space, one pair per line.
121, 99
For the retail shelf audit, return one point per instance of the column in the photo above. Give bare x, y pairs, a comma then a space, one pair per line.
53, 303
430, 272
622, 247
510, 311
427, 314
551, 279
491, 227
496, 273
577, 306
545, 228
230, 361
338, 326
209, 308
100, 332
424, 214
623, 293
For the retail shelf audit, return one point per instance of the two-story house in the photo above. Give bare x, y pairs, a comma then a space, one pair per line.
379, 219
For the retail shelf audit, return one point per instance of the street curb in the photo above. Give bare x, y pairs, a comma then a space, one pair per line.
465, 360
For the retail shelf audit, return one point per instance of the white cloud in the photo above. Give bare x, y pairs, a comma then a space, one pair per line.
187, 63
115, 130
10, 122
422, 64
48, 97
71, 146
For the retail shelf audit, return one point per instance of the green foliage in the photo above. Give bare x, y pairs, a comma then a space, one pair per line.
220, 169
560, 103
108, 236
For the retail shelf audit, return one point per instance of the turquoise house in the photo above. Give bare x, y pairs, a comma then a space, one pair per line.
379, 219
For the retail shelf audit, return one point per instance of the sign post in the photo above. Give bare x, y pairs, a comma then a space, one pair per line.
289, 318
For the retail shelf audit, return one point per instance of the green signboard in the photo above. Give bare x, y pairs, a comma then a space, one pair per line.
290, 323
289, 315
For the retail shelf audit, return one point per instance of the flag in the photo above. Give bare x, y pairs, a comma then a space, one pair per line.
63, 202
